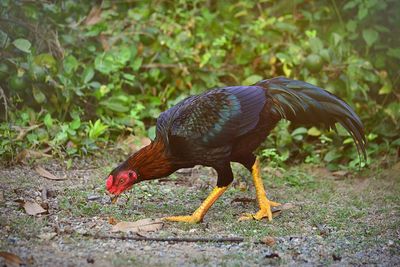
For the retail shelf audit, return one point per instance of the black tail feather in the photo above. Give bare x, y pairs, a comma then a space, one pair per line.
306, 104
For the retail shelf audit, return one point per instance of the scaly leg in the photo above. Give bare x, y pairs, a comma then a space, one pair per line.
263, 202
198, 215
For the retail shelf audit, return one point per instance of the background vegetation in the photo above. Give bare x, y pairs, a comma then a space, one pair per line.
77, 76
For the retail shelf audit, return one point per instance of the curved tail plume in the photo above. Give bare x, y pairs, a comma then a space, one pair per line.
306, 104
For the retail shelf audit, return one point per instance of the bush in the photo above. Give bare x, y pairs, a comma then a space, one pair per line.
78, 76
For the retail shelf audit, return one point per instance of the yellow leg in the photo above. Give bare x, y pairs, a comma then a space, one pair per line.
263, 202
198, 215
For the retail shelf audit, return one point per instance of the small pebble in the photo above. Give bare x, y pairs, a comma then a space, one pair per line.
93, 197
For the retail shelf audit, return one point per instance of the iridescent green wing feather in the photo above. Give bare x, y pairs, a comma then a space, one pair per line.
217, 117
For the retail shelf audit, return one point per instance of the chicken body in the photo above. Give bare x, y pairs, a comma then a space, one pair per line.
226, 125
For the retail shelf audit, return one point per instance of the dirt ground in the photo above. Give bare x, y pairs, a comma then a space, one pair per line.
337, 218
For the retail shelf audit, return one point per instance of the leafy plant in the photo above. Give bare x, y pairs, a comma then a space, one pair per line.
119, 64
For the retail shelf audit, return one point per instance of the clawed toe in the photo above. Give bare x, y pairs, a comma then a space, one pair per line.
264, 212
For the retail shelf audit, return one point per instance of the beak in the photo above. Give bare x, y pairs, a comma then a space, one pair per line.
113, 197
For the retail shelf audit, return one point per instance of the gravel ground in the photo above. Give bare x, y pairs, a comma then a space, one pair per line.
353, 220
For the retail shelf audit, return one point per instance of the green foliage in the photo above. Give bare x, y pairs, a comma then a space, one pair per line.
64, 66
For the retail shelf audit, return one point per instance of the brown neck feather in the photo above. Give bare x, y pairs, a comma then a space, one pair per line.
152, 161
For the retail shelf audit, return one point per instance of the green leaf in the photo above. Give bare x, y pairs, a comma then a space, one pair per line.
38, 95
75, 124
394, 52
370, 36
315, 44
362, 12
151, 133
313, 131
128, 77
116, 104
386, 89
252, 79
298, 133
23, 45
205, 58
96, 129
70, 64
104, 63
332, 155
48, 121
88, 74
4, 39
46, 60
137, 63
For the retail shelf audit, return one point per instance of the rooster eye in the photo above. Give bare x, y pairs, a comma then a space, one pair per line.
121, 181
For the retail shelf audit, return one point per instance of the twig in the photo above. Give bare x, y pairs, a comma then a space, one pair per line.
160, 65
3, 95
170, 239
338, 13
24, 131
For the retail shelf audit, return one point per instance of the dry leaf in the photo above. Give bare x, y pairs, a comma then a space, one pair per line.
396, 166
276, 211
104, 42
94, 16
46, 174
23, 131
141, 226
47, 236
340, 174
112, 220
268, 240
287, 206
11, 259
1, 196
33, 208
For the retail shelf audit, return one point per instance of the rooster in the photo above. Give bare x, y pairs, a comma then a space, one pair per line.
227, 125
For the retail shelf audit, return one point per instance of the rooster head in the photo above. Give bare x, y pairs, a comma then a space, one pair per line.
120, 180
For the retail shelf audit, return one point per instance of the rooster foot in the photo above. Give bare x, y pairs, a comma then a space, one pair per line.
264, 212
187, 219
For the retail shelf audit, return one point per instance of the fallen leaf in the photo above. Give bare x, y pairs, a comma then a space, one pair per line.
268, 240
31, 154
46, 174
276, 211
340, 174
23, 131
287, 206
1, 196
33, 208
11, 259
141, 226
135, 143
396, 166
112, 220
47, 236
